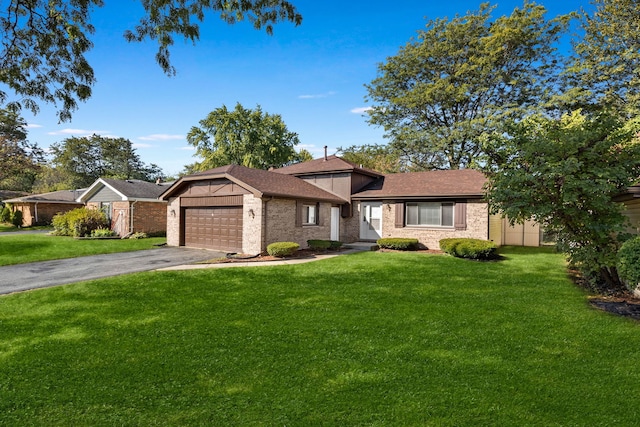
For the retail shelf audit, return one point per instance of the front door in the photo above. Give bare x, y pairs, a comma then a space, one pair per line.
371, 220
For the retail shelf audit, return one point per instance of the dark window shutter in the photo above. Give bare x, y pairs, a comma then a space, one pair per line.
399, 214
298, 213
346, 210
318, 213
460, 222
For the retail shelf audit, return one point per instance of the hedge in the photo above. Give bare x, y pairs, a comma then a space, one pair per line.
282, 249
469, 248
79, 222
319, 245
629, 262
398, 243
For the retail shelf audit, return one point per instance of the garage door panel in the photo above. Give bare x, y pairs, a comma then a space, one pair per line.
217, 228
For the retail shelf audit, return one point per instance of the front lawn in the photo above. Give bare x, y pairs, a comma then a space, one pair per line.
366, 339
23, 248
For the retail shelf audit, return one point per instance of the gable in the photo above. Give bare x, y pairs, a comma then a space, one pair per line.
105, 194
211, 187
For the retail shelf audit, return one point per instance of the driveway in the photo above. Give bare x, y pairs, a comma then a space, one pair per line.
22, 277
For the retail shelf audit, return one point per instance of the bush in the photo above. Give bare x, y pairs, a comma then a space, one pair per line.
79, 222
102, 232
319, 245
469, 248
5, 214
398, 243
335, 244
16, 218
629, 262
282, 249
139, 235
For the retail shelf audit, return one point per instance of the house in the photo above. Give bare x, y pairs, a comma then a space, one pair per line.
631, 202
39, 209
239, 209
130, 205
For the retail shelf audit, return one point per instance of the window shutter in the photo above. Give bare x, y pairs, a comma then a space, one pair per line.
318, 213
298, 213
399, 214
460, 213
346, 210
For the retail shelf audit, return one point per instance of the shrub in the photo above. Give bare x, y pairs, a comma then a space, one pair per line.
79, 222
469, 248
282, 249
139, 235
16, 218
102, 232
335, 244
398, 243
629, 262
319, 245
5, 214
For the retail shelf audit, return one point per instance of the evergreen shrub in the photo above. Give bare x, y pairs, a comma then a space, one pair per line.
398, 243
282, 249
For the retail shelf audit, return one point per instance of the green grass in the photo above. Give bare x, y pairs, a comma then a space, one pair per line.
393, 339
23, 248
5, 226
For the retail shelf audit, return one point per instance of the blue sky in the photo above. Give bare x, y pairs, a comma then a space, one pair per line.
312, 75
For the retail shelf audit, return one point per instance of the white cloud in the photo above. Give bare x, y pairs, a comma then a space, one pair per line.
161, 137
80, 132
361, 110
33, 126
316, 96
188, 148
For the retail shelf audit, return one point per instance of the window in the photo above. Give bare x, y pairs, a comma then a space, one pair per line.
434, 214
105, 207
309, 214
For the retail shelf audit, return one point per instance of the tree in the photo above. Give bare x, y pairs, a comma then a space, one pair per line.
90, 158
44, 43
605, 68
381, 158
244, 137
19, 159
564, 174
444, 92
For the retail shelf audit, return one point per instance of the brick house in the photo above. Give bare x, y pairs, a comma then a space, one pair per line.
131, 205
238, 209
39, 209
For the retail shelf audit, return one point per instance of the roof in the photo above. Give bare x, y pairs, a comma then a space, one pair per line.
261, 183
61, 196
129, 189
431, 184
325, 165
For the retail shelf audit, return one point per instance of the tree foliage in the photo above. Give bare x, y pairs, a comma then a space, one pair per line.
20, 160
605, 67
381, 158
564, 174
44, 43
244, 137
86, 159
442, 93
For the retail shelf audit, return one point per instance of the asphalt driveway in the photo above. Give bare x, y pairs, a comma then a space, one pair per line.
22, 277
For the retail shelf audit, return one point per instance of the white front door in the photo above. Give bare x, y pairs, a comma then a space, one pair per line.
371, 220
335, 223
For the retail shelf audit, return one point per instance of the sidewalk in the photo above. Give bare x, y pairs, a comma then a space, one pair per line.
351, 248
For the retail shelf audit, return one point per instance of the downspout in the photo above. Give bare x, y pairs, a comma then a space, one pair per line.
35, 209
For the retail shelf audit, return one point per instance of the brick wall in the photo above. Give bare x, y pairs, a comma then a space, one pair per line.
253, 224
149, 217
280, 223
173, 221
45, 212
477, 226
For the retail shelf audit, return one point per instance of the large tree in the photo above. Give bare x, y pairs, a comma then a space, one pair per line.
381, 158
44, 42
444, 92
564, 174
20, 160
245, 137
86, 159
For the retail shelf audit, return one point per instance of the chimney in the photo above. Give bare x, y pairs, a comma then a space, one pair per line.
158, 181
325, 153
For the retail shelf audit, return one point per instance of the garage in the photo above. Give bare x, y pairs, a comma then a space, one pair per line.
218, 228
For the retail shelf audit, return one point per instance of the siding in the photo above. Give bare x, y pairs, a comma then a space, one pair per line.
632, 211
105, 194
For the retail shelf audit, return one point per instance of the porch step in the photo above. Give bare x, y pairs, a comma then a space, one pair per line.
361, 246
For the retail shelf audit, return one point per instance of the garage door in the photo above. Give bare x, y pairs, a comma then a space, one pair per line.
218, 228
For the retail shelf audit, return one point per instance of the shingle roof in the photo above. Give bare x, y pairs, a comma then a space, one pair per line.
61, 196
137, 189
325, 165
262, 183
430, 184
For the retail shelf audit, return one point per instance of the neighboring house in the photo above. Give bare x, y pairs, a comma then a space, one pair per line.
238, 209
631, 201
39, 209
131, 206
